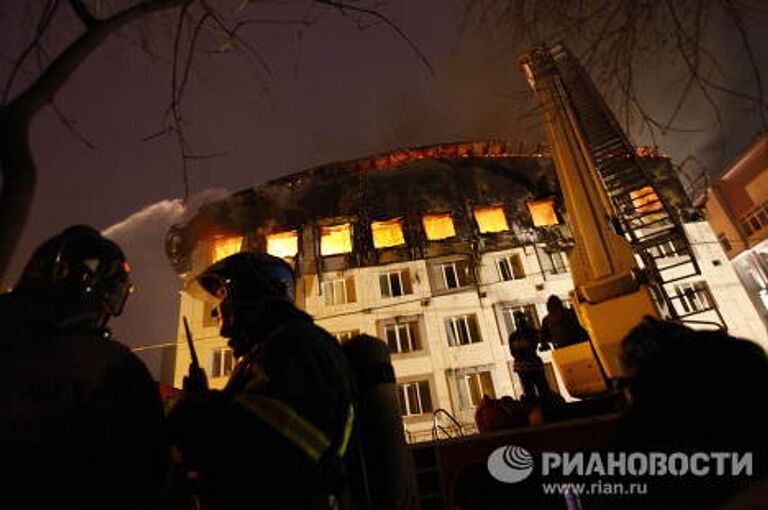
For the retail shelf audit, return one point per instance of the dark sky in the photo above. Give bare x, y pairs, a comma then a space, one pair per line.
334, 92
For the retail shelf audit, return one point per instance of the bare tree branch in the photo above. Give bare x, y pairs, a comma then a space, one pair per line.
83, 13
342, 7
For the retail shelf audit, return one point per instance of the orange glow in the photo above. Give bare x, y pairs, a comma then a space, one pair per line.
645, 200
543, 212
283, 244
438, 226
491, 219
223, 247
387, 233
336, 239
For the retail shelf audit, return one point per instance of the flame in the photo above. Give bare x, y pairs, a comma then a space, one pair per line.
491, 219
543, 212
645, 199
336, 239
223, 247
283, 244
387, 233
438, 226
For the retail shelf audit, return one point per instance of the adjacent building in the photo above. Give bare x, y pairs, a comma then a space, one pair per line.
432, 250
737, 208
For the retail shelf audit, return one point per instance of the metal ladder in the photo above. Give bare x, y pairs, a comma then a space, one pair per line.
652, 228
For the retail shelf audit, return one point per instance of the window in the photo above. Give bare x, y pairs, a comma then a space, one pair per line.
510, 267
645, 200
336, 239
463, 330
491, 219
403, 336
451, 275
668, 249
508, 315
724, 242
210, 315
472, 387
387, 233
223, 247
554, 262
755, 219
693, 297
283, 244
339, 291
414, 398
343, 336
223, 362
395, 283
543, 212
438, 226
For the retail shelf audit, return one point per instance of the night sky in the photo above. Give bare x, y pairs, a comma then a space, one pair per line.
333, 92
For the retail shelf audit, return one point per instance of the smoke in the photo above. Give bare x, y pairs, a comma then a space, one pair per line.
151, 313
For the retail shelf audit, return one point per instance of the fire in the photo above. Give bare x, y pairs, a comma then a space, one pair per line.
336, 239
438, 226
543, 212
387, 233
645, 199
223, 247
491, 219
283, 244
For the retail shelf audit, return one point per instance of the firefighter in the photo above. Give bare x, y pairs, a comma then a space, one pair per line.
523, 343
277, 434
81, 421
561, 327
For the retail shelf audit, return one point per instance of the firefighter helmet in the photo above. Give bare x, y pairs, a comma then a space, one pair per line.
80, 266
248, 277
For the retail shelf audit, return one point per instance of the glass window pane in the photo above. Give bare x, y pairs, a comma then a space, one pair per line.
391, 338
475, 394
414, 404
451, 279
426, 397
394, 280
384, 285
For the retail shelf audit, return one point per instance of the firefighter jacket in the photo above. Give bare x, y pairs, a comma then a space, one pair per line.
275, 437
81, 422
562, 328
522, 346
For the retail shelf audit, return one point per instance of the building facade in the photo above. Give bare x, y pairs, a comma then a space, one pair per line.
737, 208
431, 250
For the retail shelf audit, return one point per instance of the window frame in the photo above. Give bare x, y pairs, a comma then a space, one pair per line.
470, 324
329, 299
222, 362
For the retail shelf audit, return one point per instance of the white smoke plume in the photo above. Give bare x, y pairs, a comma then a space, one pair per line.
151, 313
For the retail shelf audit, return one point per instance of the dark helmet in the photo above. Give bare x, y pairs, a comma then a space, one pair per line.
521, 320
554, 303
249, 277
82, 267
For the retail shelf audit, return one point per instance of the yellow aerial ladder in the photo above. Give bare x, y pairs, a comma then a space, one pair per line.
615, 215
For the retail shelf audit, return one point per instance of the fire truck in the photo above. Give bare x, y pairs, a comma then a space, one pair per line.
619, 223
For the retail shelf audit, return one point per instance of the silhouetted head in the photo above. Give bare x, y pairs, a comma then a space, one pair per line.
522, 321
81, 273
246, 285
554, 304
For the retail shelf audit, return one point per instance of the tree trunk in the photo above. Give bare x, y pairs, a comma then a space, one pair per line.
17, 167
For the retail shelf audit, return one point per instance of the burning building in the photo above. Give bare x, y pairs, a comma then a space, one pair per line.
431, 250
